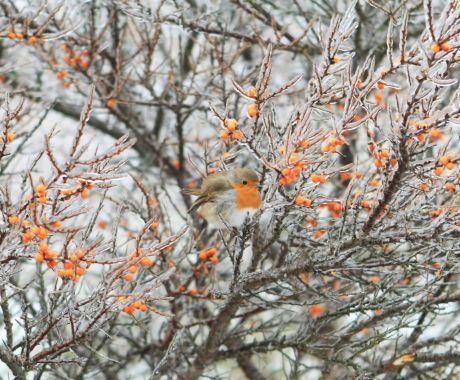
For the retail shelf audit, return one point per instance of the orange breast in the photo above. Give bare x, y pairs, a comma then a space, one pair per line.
247, 197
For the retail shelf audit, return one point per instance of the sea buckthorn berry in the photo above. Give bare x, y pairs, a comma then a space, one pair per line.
252, 93
11, 35
39, 257
318, 234
61, 75
438, 171
128, 277
231, 124
51, 264
41, 188
435, 48
13, 219
84, 193
129, 309
449, 187
80, 271
80, 253
56, 224
132, 269
224, 135
237, 135
302, 201
27, 237
317, 310
111, 103
435, 134
423, 186
380, 85
378, 163
335, 60
192, 292
318, 178
446, 46
32, 40
146, 262
42, 233
10, 136
445, 160
252, 110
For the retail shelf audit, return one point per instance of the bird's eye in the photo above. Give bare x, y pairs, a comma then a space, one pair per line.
245, 182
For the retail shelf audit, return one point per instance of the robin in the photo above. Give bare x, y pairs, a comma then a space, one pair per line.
226, 198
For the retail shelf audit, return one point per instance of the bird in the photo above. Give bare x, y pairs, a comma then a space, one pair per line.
227, 198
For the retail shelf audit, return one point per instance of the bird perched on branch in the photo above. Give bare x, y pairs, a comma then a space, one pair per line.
226, 198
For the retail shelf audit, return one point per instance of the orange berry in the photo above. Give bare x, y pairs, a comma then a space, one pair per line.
32, 40
378, 163
128, 277
10, 136
444, 160
42, 233
435, 48
449, 187
393, 162
13, 219
203, 255
27, 237
56, 224
80, 253
378, 96
143, 307
231, 124
51, 264
146, 262
374, 280
374, 183
85, 53
192, 292
421, 137
61, 273
252, 110
80, 271
39, 257
11, 35
40, 189
19, 36
450, 165
318, 234
85, 65
224, 135
129, 309
61, 75
69, 265
67, 85
335, 60
437, 265
175, 164
132, 269
252, 93
446, 46
317, 310
74, 258
50, 255
380, 85
214, 260
438, 171
237, 135
435, 134
423, 186
318, 178
84, 193
384, 153
111, 103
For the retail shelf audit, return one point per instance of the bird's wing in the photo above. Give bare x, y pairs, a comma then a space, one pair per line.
201, 200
